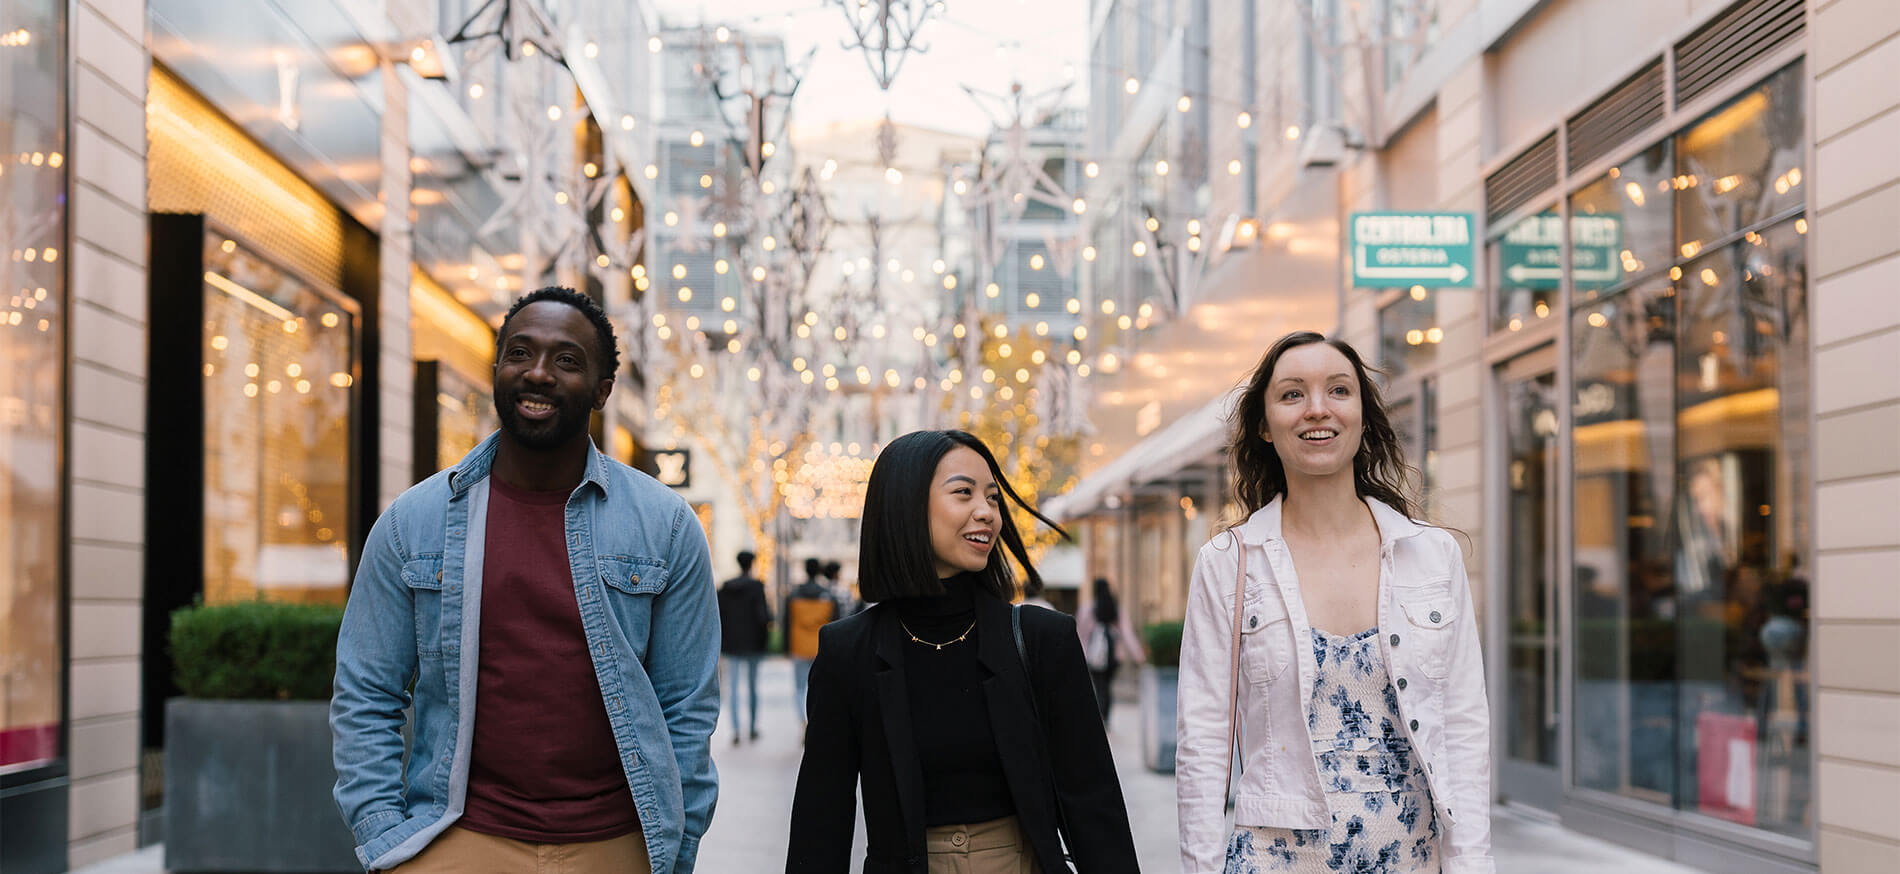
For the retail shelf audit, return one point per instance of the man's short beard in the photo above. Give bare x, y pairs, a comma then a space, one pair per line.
549, 436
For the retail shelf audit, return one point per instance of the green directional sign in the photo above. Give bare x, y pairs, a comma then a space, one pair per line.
1531, 253
1403, 249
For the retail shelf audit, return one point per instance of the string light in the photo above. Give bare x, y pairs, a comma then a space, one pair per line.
1132, 85
1184, 104
1244, 119
1091, 170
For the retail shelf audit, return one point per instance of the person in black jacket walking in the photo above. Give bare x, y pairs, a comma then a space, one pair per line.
743, 617
969, 725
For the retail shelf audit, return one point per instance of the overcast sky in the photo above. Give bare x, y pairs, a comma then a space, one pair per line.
985, 44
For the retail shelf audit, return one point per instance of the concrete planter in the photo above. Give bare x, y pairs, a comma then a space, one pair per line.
247, 788
1158, 690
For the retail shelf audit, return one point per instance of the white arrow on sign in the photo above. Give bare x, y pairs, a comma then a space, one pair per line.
1522, 273
1454, 272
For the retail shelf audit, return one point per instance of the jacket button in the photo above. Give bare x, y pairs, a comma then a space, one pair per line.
957, 839
636, 579
1395, 640
1415, 725
438, 576
1401, 684
1253, 621
1436, 618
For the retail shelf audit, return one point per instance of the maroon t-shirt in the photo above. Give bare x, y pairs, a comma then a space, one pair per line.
544, 767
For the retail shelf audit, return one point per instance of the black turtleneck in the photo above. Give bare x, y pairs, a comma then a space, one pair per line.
963, 775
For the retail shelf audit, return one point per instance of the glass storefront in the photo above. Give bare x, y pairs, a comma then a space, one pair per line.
278, 361
32, 407
1691, 452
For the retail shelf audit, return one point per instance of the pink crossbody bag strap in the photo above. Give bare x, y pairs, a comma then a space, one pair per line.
1233, 673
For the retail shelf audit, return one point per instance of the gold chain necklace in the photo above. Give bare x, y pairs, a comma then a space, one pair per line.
939, 646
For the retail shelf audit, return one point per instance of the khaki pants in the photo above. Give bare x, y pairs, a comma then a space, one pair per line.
995, 847
459, 851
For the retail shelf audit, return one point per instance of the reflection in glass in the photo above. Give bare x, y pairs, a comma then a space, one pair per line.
1531, 440
465, 416
32, 407
1741, 165
1409, 333
1623, 445
1623, 224
1692, 522
1526, 266
278, 377
1741, 526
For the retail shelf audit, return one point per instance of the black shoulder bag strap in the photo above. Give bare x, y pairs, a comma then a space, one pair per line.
1042, 734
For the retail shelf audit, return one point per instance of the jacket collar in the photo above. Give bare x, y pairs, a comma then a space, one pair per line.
1264, 524
475, 466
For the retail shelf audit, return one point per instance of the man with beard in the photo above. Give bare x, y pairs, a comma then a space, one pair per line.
566, 594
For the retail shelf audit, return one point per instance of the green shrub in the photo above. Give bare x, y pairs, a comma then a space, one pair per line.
255, 649
1164, 644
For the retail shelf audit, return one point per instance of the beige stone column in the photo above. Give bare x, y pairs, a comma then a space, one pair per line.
1854, 257
107, 468
395, 419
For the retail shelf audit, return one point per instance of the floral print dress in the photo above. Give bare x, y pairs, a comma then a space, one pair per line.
1383, 819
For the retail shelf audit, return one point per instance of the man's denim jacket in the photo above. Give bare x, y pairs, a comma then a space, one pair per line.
644, 582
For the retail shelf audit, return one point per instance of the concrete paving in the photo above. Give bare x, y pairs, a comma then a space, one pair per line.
750, 828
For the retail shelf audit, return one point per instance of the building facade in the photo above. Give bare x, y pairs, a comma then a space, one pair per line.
256, 254
1656, 405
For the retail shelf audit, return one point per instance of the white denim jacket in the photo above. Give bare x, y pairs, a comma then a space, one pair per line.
1429, 639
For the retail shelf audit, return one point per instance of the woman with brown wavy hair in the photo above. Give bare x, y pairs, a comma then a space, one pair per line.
1329, 636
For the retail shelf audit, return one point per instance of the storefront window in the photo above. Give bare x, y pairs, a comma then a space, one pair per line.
32, 409
1742, 164
278, 377
1409, 332
1623, 224
1526, 265
1741, 529
465, 416
1692, 475
1622, 458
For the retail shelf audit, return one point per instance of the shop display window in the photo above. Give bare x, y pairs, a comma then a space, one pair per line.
279, 371
1409, 332
1742, 164
1623, 224
1526, 269
32, 407
465, 416
1692, 461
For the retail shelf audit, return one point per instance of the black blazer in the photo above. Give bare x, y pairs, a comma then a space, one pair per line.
859, 733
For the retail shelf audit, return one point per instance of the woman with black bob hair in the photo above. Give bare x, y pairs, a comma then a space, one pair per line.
1329, 636
969, 724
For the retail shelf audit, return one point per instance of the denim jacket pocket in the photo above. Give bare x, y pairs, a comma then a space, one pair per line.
1430, 611
1266, 637
633, 575
423, 576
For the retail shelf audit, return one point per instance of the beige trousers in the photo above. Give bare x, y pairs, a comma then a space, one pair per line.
995, 847
459, 851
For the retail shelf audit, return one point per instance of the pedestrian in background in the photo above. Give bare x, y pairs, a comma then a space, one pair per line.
744, 618
809, 606
568, 595
966, 722
848, 603
1332, 635
1108, 640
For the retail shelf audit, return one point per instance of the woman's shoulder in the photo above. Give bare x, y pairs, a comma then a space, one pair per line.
851, 631
1039, 620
